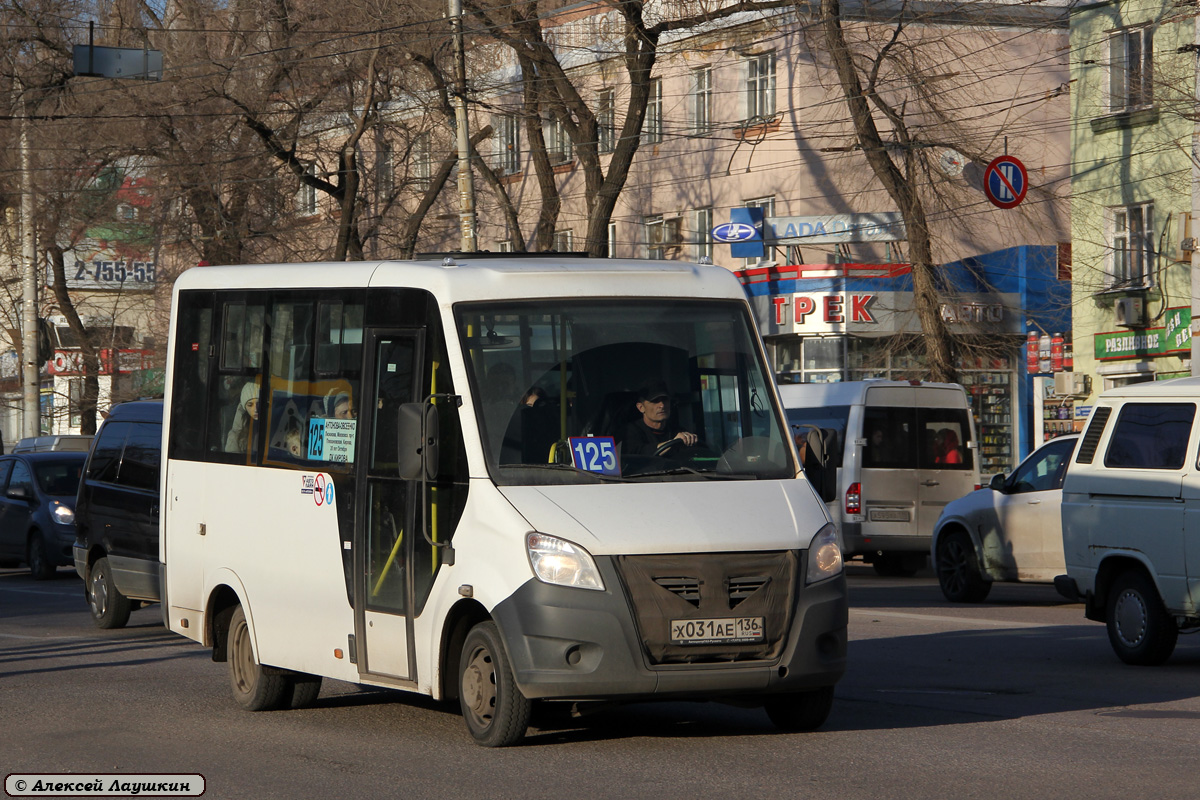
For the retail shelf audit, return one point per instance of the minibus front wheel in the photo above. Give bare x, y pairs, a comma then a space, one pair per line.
495, 711
800, 711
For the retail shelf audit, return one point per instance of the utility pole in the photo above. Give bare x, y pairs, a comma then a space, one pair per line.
31, 423
466, 181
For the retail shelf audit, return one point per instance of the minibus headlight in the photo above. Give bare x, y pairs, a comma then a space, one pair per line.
561, 563
824, 555
63, 515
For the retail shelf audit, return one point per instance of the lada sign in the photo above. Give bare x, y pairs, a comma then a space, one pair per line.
733, 232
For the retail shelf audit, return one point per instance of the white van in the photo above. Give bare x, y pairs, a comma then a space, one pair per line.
492, 480
1131, 518
887, 457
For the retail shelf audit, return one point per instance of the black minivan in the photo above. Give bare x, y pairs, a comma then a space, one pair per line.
116, 514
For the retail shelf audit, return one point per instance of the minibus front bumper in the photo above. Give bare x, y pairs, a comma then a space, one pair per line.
578, 644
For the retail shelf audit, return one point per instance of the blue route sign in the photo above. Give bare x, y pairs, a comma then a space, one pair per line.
1005, 182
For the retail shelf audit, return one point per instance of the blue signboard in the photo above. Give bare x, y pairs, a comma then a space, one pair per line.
751, 247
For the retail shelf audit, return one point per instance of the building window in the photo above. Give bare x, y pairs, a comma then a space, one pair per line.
1132, 245
606, 121
701, 101
654, 237
306, 198
384, 172
652, 129
508, 144
1130, 70
767, 204
504, 246
703, 235
564, 241
760, 87
612, 240
422, 161
558, 143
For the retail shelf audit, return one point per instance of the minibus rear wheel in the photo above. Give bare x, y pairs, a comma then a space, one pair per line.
495, 711
800, 711
1139, 628
255, 687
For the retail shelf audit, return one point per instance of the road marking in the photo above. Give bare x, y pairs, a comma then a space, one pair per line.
45, 638
31, 591
988, 623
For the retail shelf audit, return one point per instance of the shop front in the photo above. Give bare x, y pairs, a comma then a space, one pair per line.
846, 322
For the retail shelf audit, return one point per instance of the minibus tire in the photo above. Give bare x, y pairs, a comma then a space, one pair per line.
958, 569
496, 712
110, 609
254, 688
800, 711
1140, 630
303, 689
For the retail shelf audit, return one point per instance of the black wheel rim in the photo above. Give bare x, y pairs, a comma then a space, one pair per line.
953, 567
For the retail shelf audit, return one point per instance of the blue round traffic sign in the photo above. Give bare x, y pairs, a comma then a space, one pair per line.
1005, 182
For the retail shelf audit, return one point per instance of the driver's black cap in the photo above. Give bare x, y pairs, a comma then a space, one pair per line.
654, 392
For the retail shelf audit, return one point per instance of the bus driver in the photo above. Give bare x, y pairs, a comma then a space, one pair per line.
655, 427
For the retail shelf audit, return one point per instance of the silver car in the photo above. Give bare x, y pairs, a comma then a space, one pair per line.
1009, 531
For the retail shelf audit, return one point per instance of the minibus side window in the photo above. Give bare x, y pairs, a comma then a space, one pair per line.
189, 394
891, 435
1151, 436
945, 434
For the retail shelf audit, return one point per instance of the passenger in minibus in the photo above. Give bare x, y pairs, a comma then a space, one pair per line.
241, 432
338, 406
947, 447
655, 426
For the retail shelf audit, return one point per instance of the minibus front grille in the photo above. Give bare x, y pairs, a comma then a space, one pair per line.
687, 588
734, 590
741, 588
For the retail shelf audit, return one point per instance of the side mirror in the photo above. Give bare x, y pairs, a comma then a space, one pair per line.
996, 484
417, 441
18, 493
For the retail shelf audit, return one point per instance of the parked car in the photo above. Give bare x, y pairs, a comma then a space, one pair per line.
116, 547
1009, 531
37, 510
41, 444
886, 457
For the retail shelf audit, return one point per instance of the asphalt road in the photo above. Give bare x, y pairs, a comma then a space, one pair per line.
1017, 697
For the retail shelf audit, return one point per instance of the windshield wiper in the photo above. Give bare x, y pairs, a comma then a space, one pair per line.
682, 470
567, 467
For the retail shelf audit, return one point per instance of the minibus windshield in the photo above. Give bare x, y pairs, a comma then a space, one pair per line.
579, 391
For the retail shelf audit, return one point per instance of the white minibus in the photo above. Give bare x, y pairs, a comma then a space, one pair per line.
496, 480
887, 456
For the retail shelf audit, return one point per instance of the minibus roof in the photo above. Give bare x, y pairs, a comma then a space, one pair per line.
462, 278
845, 393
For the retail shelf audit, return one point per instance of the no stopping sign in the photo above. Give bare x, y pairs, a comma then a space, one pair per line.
1005, 182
